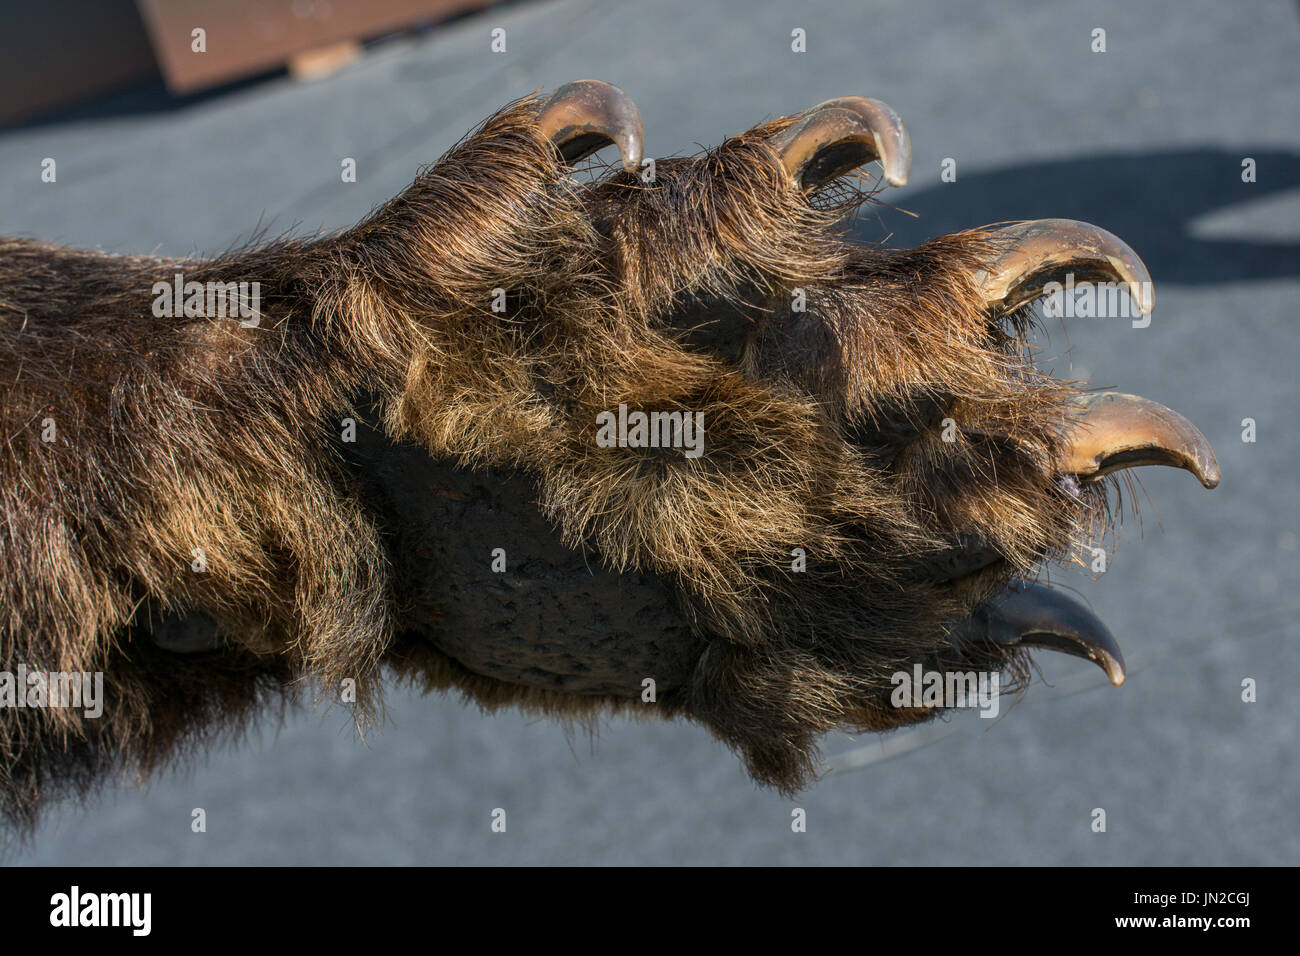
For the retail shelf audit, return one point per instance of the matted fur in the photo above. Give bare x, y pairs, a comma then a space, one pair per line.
823, 432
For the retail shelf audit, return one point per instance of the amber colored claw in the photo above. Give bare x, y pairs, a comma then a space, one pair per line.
843, 134
586, 115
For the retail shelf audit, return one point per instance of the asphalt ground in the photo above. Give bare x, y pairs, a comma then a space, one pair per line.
1146, 139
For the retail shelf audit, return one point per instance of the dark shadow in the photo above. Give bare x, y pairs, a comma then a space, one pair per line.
142, 97
1148, 199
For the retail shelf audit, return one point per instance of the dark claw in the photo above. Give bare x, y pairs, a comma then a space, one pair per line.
1032, 615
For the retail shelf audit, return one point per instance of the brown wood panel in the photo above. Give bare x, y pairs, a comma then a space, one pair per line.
249, 36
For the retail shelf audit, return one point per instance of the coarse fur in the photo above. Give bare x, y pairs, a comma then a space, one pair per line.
824, 432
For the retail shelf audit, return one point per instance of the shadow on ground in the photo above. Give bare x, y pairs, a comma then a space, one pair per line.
1154, 215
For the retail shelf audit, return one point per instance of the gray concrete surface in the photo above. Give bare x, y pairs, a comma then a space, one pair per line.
1146, 139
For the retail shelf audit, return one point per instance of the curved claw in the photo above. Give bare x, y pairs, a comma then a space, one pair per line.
1040, 251
843, 134
586, 115
1123, 431
1032, 615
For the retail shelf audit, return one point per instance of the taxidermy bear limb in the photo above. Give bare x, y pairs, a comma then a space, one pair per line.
425, 452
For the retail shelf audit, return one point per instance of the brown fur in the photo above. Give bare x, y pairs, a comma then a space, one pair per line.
821, 428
